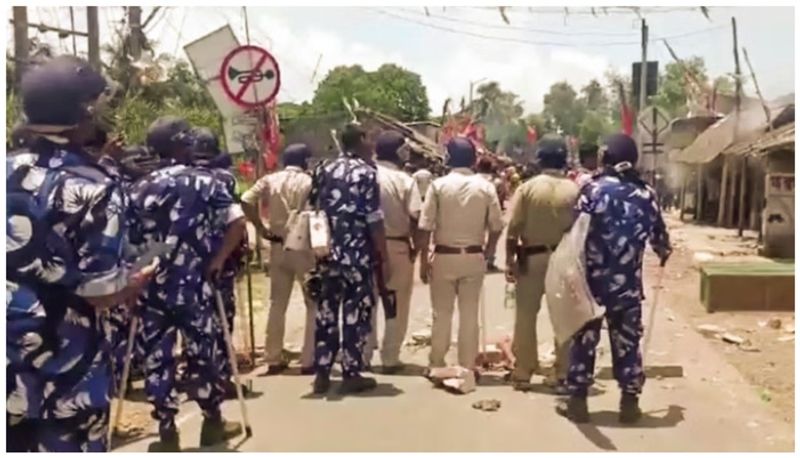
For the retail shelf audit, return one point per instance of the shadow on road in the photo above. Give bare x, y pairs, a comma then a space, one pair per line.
383, 390
541, 388
610, 419
215, 448
117, 442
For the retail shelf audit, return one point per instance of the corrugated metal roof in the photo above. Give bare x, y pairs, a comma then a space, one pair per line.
775, 139
720, 136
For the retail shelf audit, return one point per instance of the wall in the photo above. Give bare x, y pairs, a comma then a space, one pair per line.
778, 214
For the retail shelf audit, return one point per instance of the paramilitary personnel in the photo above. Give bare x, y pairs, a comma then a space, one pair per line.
64, 256
346, 190
287, 192
625, 215
460, 208
542, 210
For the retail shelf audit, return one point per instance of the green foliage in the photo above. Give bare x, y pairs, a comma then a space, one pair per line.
564, 108
673, 84
390, 89
135, 114
594, 126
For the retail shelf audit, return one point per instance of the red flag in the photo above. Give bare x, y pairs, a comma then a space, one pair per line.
627, 120
532, 135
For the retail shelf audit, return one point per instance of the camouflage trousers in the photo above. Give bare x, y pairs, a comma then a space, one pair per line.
85, 432
625, 333
351, 291
205, 357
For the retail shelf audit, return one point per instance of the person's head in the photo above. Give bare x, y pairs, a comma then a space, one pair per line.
620, 152
296, 155
171, 137
551, 152
206, 143
390, 146
62, 99
485, 165
587, 153
460, 153
354, 140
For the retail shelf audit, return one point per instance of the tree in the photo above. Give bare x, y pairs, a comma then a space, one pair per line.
594, 126
594, 97
390, 89
675, 83
496, 106
562, 106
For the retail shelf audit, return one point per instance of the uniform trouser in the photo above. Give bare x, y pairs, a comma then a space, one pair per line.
226, 288
456, 276
85, 432
200, 328
530, 291
349, 289
283, 272
118, 323
402, 282
625, 333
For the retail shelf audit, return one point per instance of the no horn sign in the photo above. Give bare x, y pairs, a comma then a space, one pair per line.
250, 76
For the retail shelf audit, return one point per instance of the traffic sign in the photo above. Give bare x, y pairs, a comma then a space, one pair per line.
653, 121
250, 76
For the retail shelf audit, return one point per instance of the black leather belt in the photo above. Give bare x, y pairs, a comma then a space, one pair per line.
537, 249
444, 249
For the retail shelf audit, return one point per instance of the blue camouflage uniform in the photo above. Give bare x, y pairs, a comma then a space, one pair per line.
65, 239
186, 206
625, 214
346, 189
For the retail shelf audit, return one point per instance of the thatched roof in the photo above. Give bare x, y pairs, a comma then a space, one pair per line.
420, 144
780, 138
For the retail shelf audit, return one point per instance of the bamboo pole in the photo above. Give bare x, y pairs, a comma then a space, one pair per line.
698, 206
742, 192
723, 192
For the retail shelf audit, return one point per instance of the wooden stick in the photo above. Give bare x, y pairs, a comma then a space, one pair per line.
758, 90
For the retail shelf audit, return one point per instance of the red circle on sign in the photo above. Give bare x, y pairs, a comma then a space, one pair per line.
237, 98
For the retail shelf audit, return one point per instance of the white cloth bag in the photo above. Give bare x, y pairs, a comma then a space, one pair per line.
569, 300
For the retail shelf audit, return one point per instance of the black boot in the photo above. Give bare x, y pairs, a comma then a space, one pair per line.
629, 411
574, 409
357, 384
218, 430
322, 383
168, 441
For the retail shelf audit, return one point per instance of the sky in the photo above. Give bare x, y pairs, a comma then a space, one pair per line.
450, 48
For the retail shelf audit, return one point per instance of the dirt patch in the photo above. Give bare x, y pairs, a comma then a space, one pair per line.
766, 360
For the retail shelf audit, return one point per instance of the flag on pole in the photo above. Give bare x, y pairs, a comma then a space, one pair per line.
532, 135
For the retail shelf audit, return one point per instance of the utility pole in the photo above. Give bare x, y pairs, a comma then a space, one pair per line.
642, 89
21, 45
93, 31
743, 175
135, 22
72, 28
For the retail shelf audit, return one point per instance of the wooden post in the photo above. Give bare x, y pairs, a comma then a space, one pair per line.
135, 21
723, 192
736, 125
72, 27
684, 180
93, 30
642, 87
758, 90
730, 206
698, 205
21, 45
742, 193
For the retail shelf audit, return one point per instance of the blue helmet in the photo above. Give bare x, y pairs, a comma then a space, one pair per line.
167, 134
551, 152
460, 152
59, 92
620, 148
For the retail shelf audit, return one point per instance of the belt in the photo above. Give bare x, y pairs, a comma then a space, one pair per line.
444, 249
405, 239
537, 249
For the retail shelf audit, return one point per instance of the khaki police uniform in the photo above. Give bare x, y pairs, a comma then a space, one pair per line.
542, 210
423, 179
459, 208
400, 201
286, 190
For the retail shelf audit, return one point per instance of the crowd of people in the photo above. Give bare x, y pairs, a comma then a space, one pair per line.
105, 242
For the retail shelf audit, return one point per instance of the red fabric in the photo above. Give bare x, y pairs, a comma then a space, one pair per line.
271, 137
532, 135
247, 170
627, 120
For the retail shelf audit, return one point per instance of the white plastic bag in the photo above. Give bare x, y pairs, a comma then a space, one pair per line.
569, 299
298, 237
320, 233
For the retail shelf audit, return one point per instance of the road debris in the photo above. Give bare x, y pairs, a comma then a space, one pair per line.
455, 379
774, 323
487, 405
421, 338
748, 347
786, 338
732, 338
710, 330
789, 329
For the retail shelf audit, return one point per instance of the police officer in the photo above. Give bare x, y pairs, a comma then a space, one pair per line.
190, 208
460, 208
542, 210
486, 169
400, 203
625, 215
346, 190
287, 194
64, 256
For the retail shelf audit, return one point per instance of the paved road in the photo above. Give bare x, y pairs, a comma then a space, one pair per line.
712, 408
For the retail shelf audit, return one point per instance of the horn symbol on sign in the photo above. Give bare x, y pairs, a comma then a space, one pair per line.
242, 76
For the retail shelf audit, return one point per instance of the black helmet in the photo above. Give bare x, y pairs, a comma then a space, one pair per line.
206, 142
59, 92
168, 133
551, 152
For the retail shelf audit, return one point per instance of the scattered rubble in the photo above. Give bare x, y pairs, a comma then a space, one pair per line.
421, 338
487, 405
732, 338
710, 330
455, 379
789, 338
774, 323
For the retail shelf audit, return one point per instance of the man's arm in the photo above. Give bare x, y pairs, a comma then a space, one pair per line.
250, 206
494, 221
659, 237
427, 223
414, 207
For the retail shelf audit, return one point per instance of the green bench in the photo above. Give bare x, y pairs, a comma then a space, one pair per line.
756, 286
